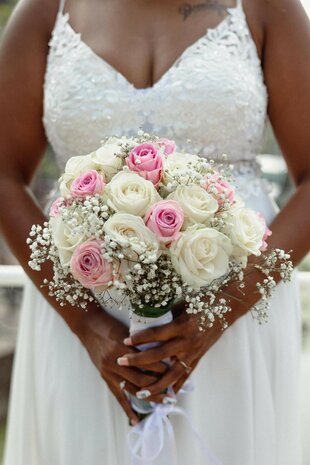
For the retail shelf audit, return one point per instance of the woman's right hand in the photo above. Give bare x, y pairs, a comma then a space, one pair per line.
102, 336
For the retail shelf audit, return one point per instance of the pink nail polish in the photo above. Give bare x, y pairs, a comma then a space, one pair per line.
127, 341
122, 361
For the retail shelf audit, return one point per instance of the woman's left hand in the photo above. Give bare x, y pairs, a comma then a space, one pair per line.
183, 343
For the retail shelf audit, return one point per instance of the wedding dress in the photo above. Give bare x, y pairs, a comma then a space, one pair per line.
245, 401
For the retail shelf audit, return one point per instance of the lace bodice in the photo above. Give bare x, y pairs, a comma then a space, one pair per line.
212, 98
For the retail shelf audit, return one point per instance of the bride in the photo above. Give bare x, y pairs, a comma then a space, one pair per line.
208, 74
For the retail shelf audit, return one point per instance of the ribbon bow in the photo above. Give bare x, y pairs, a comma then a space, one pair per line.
147, 439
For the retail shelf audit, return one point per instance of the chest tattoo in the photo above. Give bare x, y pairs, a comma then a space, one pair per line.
186, 9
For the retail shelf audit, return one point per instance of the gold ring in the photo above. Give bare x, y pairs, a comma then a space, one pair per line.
185, 366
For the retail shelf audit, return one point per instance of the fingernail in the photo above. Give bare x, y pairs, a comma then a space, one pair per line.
143, 394
123, 361
169, 400
127, 341
134, 422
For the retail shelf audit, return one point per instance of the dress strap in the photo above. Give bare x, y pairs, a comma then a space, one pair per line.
62, 5
239, 4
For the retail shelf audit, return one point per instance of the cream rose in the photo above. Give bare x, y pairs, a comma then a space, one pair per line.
201, 255
74, 167
246, 231
66, 238
130, 193
177, 164
107, 161
125, 228
197, 204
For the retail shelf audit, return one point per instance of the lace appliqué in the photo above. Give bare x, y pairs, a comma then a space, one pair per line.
248, 179
212, 99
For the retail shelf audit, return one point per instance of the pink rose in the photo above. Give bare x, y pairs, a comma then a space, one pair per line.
222, 187
88, 266
267, 233
167, 144
165, 220
146, 160
55, 207
88, 183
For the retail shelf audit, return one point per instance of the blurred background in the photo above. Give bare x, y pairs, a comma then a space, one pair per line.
11, 276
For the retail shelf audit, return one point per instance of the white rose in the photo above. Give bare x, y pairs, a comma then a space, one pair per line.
130, 193
74, 167
124, 228
107, 161
66, 238
246, 231
197, 204
177, 165
201, 255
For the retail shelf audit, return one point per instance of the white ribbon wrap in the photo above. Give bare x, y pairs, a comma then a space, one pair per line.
153, 438
140, 323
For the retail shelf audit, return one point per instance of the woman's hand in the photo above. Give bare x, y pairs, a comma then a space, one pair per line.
182, 342
181, 339
103, 336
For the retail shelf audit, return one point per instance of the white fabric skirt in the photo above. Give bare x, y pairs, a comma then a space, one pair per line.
245, 404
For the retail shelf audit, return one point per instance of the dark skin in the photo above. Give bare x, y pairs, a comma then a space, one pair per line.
188, 9
141, 39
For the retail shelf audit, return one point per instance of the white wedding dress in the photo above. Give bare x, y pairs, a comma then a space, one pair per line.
245, 402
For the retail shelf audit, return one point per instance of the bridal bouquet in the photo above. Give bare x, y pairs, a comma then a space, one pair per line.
157, 225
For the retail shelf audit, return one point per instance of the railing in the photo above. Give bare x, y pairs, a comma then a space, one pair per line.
12, 276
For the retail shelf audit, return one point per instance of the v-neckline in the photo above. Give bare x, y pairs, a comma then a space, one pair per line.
190, 47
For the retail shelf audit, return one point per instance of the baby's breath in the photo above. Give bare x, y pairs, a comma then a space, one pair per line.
140, 273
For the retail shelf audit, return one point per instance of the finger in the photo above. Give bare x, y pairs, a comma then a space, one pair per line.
154, 369
157, 334
135, 376
132, 389
126, 385
150, 356
177, 386
157, 368
169, 379
124, 402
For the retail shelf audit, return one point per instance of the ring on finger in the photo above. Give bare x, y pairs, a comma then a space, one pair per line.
186, 367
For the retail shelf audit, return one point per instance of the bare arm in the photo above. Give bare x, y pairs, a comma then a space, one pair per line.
22, 139
286, 64
23, 56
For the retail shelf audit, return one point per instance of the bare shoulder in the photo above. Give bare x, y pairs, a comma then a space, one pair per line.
268, 18
279, 14
34, 14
